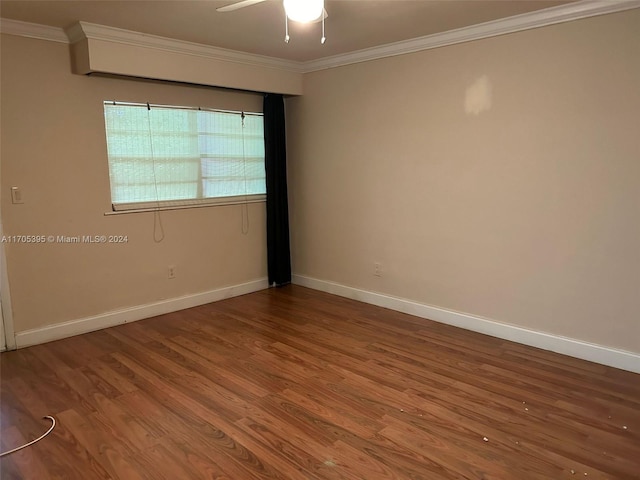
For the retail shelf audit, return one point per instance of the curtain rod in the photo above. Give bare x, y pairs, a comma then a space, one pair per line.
179, 107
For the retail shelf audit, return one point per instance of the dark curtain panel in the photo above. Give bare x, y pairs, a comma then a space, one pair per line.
275, 153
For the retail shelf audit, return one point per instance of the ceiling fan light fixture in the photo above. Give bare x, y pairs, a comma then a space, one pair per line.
303, 11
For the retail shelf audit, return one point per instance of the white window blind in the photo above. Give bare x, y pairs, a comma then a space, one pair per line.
175, 156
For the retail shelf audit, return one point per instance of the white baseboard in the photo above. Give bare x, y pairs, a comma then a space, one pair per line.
127, 315
568, 346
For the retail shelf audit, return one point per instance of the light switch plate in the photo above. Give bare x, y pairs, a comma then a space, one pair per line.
16, 195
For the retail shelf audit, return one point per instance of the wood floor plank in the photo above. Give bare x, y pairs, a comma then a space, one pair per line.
23, 464
185, 462
206, 419
112, 454
189, 437
292, 383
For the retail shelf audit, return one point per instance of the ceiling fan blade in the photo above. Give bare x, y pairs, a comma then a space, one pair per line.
321, 17
238, 5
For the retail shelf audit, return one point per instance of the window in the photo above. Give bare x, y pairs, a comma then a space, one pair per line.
162, 156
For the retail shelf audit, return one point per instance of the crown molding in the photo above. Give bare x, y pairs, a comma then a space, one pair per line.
525, 21
92, 31
32, 30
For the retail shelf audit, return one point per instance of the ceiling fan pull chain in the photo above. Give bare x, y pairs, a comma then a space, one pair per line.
286, 28
323, 39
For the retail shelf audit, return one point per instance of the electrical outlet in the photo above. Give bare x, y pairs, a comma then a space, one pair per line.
171, 272
377, 269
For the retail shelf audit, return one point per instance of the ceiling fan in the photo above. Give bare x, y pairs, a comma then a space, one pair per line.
302, 11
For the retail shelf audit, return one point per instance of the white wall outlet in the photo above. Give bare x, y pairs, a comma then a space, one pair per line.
171, 272
377, 269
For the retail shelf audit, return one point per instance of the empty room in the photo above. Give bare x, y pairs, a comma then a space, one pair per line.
307, 239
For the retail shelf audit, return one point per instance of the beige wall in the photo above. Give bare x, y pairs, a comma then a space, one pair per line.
53, 147
526, 212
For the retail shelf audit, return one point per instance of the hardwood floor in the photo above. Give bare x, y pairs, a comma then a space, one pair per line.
296, 384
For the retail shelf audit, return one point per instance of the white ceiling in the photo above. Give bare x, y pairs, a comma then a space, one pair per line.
259, 29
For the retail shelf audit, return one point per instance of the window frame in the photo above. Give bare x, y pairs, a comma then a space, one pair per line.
153, 205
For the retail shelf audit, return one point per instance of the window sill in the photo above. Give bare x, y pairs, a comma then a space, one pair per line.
180, 205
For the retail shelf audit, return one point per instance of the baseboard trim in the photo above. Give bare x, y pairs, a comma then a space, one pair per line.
127, 315
567, 346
